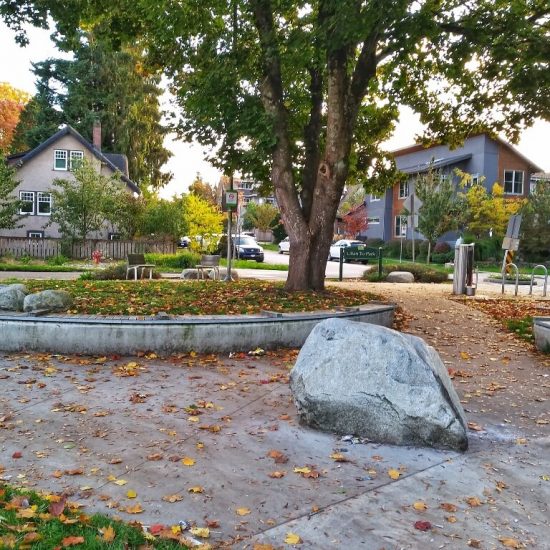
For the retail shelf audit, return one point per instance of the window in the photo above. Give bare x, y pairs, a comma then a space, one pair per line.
76, 159
35, 234
60, 160
373, 221
374, 198
513, 182
44, 204
115, 236
474, 180
400, 226
403, 189
27, 202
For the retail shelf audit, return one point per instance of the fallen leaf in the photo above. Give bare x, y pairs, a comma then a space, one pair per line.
278, 457
242, 511
423, 525
263, 547
136, 509
292, 538
56, 508
72, 541
107, 533
448, 507
155, 456
394, 474
17, 454
473, 502
420, 506
120, 482
510, 542
304, 470
131, 493
187, 461
202, 532
451, 519
172, 498
196, 489
464, 355
474, 543
474, 427
339, 457
276, 475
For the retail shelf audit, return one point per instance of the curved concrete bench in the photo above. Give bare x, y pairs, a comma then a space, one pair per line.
91, 334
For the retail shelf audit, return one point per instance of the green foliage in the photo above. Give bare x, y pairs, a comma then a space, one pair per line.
57, 260
204, 221
522, 327
182, 260
9, 203
260, 216
422, 273
488, 249
162, 218
113, 272
535, 225
82, 206
278, 229
110, 85
203, 190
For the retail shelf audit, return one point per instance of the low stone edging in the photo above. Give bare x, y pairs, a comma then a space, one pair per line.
127, 335
541, 330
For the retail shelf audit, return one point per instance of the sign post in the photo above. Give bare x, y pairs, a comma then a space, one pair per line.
413, 204
231, 199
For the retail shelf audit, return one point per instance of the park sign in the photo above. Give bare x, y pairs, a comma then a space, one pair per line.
230, 200
360, 253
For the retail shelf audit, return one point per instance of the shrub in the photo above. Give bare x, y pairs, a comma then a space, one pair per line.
57, 260
375, 243
182, 260
114, 272
422, 273
441, 248
25, 260
443, 258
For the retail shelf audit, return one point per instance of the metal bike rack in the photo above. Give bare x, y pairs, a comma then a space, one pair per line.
545, 279
517, 278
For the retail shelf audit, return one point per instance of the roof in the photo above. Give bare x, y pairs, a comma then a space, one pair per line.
435, 164
419, 147
22, 158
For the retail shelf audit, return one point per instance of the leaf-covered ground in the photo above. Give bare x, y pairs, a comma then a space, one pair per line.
195, 297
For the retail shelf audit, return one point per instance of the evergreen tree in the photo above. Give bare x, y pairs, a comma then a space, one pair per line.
9, 204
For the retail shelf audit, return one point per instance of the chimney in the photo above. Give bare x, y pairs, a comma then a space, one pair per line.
96, 134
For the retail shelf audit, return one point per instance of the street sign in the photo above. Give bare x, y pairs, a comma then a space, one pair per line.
231, 198
510, 244
412, 202
360, 253
511, 240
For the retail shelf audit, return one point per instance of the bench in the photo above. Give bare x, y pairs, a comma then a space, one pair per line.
136, 262
210, 263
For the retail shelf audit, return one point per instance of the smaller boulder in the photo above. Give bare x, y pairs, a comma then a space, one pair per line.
11, 298
19, 286
400, 277
48, 300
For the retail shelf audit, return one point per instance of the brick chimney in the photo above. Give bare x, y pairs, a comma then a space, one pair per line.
96, 134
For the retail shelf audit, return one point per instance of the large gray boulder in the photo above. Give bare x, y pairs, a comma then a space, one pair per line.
11, 298
374, 382
400, 277
48, 300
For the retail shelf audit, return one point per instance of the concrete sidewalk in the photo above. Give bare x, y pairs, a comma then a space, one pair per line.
193, 436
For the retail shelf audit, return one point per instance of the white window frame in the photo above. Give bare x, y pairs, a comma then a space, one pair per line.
374, 198
60, 154
28, 199
404, 189
43, 198
373, 221
474, 180
402, 226
35, 234
522, 183
74, 155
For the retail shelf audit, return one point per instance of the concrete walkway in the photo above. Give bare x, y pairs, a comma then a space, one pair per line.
193, 436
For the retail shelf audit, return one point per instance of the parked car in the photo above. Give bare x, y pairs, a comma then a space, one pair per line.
284, 246
245, 247
334, 253
184, 242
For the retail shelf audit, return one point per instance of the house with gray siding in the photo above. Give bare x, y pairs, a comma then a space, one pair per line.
485, 158
54, 159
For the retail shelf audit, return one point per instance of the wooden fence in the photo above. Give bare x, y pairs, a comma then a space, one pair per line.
48, 248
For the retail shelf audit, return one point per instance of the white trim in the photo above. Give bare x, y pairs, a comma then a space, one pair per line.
406, 189
513, 192
42, 195
374, 198
402, 226
60, 154
35, 234
27, 200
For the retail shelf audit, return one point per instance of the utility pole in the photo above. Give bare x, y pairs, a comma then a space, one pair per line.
228, 277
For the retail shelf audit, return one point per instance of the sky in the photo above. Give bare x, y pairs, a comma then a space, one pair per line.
188, 158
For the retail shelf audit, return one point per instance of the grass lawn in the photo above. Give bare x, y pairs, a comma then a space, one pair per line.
195, 297
270, 246
40, 267
252, 264
43, 522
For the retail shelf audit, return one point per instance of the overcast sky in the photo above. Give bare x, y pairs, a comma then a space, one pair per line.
15, 68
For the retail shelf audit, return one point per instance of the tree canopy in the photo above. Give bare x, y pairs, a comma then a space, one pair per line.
9, 204
304, 93
101, 83
12, 102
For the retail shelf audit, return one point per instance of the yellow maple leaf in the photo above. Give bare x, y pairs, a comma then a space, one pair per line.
131, 493
172, 498
292, 538
394, 474
242, 511
202, 532
120, 482
304, 470
420, 506
108, 533
26, 513
510, 542
464, 355
188, 461
196, 489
